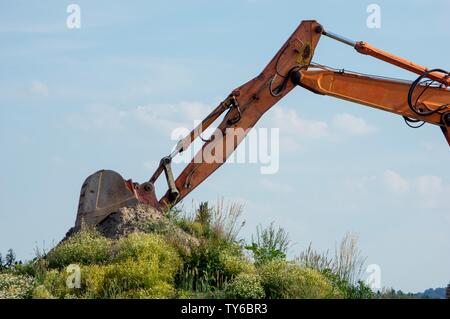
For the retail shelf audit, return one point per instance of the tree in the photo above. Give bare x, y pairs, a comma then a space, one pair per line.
10, 258
203, 214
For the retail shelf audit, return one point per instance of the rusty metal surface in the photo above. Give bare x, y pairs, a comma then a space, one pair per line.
102, 193
145, 193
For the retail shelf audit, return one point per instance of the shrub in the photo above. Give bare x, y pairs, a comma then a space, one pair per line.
234, 263
275, 278
348, 259
41, 292
172, 234
139, 266
85, 247
55, 283
148, 247
127, 279
311, 284
192, 228
343, 271
311, 258
27, 269
162, 290
245, 286
93, 281
225, 221
283, 279
144, 266
220, 222
202, 270
360, 290
211, 264
15, 286
347, 263
269, 244
136, 274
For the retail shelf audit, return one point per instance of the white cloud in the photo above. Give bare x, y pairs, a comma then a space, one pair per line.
165, 117
288, 119
395, 182
296, 130
171, 116
39, 88
427, 190
350, 124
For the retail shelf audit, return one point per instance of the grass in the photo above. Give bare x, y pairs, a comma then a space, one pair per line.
344, 270
151, 263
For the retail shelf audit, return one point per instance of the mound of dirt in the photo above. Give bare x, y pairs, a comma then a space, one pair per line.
130, 219
143, 218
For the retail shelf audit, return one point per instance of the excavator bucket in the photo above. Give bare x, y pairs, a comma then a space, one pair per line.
105, 192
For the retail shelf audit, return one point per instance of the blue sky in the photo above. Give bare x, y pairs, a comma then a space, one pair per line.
107, 95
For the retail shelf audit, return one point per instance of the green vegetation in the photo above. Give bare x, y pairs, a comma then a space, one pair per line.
245, 286
269, 244
343, 271
15, 286
284, 279
85, 247
155, 262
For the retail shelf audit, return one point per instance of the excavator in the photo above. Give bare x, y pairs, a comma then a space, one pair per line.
425, 100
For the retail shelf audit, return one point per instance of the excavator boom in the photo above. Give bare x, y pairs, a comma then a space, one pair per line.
426, 99
378, 92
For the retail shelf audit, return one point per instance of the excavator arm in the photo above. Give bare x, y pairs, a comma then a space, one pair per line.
392, 95
380, 93
425, 99
246, 104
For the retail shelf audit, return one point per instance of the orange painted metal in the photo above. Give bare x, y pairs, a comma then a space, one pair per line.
385, 94
365, 48
255, 97
254, 100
